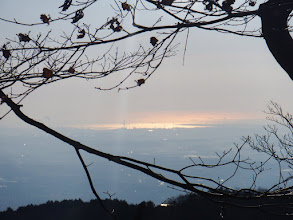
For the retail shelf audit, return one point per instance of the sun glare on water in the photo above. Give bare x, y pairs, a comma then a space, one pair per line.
149, 126
171, 120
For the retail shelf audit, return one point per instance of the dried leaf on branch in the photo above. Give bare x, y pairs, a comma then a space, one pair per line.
78, 15
66, 5
47, 73
6, 52
45, 18
81, 34
209, 6
167, 2
115, 25
153, 41
71, 70
227, 5
252, 3
140, 82
125, 6
23, 37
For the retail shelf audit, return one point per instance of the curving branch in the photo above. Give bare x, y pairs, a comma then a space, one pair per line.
213, 189
35, 60
274, 16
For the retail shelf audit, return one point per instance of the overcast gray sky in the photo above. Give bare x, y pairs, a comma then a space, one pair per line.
224, 77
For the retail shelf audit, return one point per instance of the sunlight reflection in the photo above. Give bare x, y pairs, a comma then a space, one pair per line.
171, 120
149, 126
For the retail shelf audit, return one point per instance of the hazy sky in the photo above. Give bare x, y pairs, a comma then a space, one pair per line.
224, 77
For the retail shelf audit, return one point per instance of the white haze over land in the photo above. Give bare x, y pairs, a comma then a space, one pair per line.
36, 168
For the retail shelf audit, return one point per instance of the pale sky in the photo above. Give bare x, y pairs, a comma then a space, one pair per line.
224, 78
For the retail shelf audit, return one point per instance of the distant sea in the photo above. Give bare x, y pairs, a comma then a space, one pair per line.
35, 167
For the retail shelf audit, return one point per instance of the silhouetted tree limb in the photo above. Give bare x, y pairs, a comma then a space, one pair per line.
275, 15
23, 60
33, 60
210, 188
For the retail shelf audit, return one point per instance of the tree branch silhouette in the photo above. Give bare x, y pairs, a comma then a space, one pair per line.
33, 60
211, 188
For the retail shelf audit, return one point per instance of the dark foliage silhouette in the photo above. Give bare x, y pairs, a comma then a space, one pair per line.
188, 206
